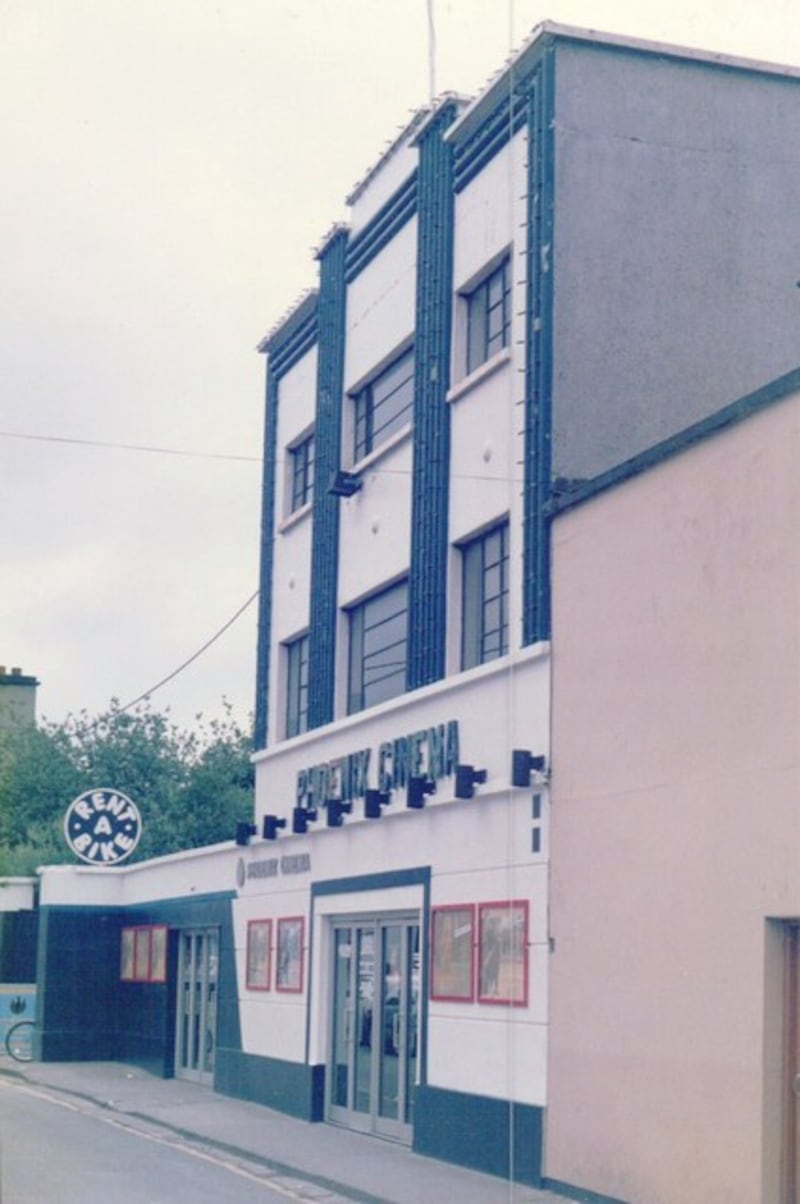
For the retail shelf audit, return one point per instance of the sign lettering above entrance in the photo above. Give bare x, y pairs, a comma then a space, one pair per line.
272, 867
102, 827
431, 752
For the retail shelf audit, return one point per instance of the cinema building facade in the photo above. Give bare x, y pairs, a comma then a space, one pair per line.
532, 290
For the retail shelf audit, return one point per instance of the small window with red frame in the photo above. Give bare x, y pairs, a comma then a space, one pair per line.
143, 953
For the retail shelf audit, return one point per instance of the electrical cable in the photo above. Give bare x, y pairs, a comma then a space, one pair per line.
194, 656
172, 451
164, 451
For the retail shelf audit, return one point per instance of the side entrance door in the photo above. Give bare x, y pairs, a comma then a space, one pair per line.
196, 1037
374, 1025
791, 1045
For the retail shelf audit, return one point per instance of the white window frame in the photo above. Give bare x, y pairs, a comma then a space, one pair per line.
476, 598
463, 375
364, 439
367, 682
296, 453
482, 342
297, 681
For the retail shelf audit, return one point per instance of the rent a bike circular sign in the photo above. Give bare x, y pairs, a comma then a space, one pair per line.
102, 827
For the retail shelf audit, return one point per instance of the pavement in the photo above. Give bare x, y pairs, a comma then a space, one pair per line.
313, 1163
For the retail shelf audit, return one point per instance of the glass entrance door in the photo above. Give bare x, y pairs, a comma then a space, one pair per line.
374, 1020
196, 1037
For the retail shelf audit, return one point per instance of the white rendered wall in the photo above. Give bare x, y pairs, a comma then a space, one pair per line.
479, 850
383, 181
498, 705
486, 407
381, 306
180, 875
17, 894
490, 213
375, 524
297, 393
297, 401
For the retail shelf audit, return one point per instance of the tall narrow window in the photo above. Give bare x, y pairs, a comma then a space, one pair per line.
301, 463
485, 597
384, 405
297, 686
378, 640
488, 317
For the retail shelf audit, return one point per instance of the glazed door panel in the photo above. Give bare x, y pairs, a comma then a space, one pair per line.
196, 1037
374, 1013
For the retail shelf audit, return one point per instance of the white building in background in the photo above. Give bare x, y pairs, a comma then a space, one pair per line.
532, 290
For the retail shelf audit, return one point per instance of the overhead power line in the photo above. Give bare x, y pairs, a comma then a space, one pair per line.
173, 451
194, 656
163, 451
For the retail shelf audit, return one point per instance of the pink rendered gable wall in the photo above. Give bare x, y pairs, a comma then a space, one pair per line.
675, 820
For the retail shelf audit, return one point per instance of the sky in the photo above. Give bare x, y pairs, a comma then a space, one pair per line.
168, 168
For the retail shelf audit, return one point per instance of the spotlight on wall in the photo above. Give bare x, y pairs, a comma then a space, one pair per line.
466, 778
244, 831
344, 484
269, 829
336, 809
523, 764
374, 801
418, 788
301, 818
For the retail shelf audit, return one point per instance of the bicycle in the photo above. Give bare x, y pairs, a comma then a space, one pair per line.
19, 1041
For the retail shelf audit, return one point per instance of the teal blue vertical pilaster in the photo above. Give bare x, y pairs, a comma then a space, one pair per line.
325, 509
427, 594
538, 355
266, 561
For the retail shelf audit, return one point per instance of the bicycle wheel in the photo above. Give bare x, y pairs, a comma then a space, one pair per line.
19, 1041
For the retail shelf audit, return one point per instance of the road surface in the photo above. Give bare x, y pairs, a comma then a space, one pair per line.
59, 1149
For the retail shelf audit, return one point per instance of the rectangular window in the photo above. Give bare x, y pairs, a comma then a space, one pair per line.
126, 956
297, 686
378, 639
384, 406
143, 956
301, 459
158, 953
488, 317
485, 597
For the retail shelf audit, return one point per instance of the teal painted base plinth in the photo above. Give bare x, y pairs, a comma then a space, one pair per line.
490, 1135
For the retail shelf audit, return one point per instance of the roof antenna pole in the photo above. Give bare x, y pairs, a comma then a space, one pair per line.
431, 51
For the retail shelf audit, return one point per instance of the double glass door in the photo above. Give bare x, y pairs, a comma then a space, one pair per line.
196, 1038
374, 1022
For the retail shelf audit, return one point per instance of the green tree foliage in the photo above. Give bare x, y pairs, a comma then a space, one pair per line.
190, 786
